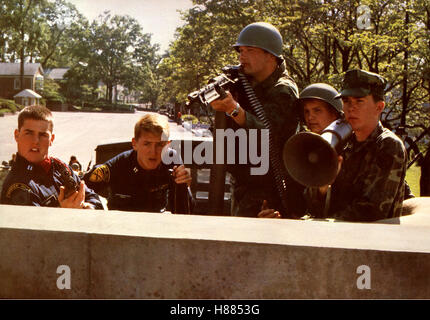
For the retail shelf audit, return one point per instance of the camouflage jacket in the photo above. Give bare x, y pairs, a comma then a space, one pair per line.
371, 183
277, 95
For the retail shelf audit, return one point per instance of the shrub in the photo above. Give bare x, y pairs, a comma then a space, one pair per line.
9, 106
190, 117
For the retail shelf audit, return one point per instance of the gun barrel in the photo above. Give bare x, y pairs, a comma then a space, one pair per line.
212, 90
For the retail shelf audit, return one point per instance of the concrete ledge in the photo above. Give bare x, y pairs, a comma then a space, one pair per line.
145, 255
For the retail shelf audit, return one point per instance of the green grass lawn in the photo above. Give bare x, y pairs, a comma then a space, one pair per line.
413, 178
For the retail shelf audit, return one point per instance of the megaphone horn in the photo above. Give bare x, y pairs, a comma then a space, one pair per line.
312, 159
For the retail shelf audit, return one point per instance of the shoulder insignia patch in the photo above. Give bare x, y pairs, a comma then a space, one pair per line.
100, 174
17, 186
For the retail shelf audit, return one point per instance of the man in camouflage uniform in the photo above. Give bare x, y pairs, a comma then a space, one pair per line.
260, 55
371, 182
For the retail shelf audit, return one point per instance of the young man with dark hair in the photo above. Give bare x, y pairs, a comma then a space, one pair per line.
371, 182
138, 180
37, 179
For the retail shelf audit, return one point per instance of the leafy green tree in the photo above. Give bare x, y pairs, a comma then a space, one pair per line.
61, 35
114, 50
322, 40
51, 91
22, 21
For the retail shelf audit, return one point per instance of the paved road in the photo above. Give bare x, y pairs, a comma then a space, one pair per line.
79, 133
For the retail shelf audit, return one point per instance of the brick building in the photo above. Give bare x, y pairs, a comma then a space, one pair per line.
10, 80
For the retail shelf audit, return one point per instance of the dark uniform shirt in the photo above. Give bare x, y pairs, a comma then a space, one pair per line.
30, 184
371, 183
277, 95
129, 187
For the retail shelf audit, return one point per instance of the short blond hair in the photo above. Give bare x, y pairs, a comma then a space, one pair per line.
152, 123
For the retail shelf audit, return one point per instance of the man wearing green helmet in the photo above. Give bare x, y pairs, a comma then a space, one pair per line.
319, 107
260, 54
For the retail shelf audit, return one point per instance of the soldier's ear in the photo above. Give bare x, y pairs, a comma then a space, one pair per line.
133, 143
380, 105
52, 139
16, 134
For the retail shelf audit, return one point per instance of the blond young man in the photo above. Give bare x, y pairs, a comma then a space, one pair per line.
138, 180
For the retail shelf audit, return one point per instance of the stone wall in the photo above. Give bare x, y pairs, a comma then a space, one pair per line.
163, 256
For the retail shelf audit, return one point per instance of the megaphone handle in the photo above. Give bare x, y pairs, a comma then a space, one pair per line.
327, 201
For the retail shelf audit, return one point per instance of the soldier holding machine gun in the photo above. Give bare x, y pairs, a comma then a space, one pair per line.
261, 62
371, 172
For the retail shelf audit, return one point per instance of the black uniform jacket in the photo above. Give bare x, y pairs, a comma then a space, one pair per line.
129, 187
29, 184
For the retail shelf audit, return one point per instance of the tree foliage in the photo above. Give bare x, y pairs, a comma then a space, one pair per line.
112, 49
322, 40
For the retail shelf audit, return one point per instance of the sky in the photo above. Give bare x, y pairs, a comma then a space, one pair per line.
158, 17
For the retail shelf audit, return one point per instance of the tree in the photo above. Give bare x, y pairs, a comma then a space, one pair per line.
62, 32
114, 50
322, 40
23, 23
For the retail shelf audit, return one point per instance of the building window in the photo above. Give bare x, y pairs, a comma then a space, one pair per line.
17, 84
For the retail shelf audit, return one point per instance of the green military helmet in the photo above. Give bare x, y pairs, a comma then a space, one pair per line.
261, 35
324, 92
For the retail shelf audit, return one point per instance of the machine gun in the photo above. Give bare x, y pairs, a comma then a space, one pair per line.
216, 87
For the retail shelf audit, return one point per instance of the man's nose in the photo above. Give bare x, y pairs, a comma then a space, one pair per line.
35, 139
153, 149
350, 105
